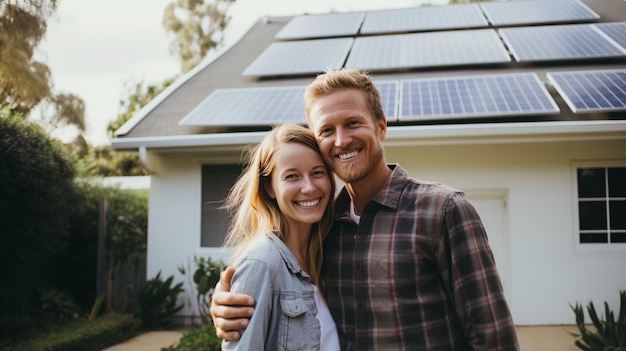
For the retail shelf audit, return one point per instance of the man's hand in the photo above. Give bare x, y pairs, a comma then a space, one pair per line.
230, 312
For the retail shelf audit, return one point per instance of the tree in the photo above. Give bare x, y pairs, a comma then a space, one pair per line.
25, 82
199, 27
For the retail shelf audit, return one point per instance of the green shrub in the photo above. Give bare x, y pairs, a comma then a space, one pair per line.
205, 277
58, 306
199, 339
157, 302
82, 335
37, 193
609, 335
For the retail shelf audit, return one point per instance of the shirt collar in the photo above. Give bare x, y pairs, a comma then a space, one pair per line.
287, 256
388, 195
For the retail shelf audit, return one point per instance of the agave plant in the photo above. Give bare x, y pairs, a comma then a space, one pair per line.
609, 334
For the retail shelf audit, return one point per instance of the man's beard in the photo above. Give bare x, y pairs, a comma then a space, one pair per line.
354, 172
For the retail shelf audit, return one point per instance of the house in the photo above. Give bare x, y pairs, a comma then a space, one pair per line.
521, 104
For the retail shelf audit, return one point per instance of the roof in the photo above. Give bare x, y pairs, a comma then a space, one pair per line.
157, 124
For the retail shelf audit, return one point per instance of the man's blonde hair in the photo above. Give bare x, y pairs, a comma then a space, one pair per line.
334, 80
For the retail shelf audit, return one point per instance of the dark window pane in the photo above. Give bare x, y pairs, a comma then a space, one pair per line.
618, 214
216, 182
592, 215
618, 237
617, 181
591, 182
593, 238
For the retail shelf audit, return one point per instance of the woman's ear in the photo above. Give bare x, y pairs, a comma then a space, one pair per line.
270, 190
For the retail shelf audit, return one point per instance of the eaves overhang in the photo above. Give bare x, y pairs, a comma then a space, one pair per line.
487, 133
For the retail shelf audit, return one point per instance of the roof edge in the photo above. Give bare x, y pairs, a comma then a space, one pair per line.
416, 135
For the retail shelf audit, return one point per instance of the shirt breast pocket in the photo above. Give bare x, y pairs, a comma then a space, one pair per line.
297, 322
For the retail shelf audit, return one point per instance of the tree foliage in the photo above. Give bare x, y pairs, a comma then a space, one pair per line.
198, 26
24, 81
106, 162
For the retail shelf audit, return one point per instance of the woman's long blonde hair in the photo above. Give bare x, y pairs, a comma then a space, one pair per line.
254, 212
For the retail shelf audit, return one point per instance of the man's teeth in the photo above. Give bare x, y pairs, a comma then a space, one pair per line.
348, 155
309, 203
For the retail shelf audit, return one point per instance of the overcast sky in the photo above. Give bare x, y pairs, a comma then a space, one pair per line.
94, 47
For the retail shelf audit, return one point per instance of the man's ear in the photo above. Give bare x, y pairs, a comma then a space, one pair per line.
382, 124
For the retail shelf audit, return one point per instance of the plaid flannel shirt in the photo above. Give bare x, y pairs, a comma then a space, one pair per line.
417, 273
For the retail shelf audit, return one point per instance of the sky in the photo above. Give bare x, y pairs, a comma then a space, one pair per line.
96, 48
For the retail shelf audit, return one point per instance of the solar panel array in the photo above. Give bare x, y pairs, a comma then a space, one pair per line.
591, 91
250, 107
476, 96
358, 34
405, 100
423, 19
300, 57
401, 51
422, 37
536, 12
322, 26
561, 42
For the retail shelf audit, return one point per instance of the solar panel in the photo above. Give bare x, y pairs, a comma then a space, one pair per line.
300, 57
591, 91
249, 107
615, 30
480, 46
378, 53
423, 19
389, 97
536, 12
400, 51
559, 42
322, 26
475, 96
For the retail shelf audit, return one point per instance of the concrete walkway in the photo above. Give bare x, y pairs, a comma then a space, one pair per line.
149, 341
531, 338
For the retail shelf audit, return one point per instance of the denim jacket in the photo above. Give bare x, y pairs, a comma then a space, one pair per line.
285, 309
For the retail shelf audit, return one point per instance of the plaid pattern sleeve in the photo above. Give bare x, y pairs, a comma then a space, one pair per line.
416, 273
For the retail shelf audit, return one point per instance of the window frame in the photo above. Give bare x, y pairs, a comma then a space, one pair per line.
594, 247
217, 252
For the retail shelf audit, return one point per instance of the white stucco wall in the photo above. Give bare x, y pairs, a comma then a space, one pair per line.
545, 271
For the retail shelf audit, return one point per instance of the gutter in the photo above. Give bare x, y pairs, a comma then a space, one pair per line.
485, 133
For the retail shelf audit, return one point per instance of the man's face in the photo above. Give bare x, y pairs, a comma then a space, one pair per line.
347, 134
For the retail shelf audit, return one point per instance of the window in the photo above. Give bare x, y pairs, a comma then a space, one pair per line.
601, 205
216, 182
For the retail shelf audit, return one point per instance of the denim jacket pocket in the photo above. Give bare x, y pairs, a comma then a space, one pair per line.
298, 317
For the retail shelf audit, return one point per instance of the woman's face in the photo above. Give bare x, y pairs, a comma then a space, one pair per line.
300, 184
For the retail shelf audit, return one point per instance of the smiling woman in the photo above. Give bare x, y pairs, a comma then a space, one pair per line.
282, 207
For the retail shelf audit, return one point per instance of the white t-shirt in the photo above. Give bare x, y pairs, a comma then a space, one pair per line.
356, 218
330, 339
